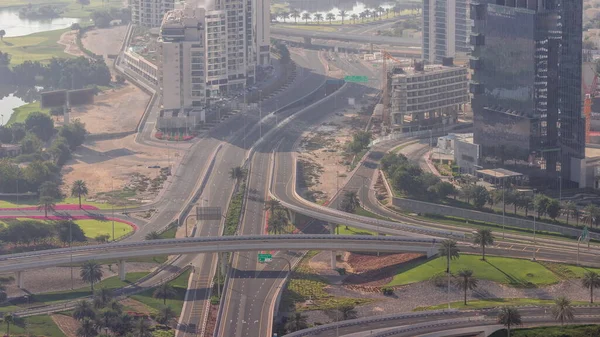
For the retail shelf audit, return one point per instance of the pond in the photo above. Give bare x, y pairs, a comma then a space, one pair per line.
7, 104
16, 26
13, 97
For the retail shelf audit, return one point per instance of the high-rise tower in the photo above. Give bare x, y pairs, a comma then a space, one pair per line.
445, 29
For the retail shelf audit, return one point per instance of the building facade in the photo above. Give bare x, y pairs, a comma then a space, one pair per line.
426, 96
446, 29
150, 13
526, 86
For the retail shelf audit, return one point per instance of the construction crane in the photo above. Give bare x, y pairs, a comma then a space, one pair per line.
385, 56
590, 94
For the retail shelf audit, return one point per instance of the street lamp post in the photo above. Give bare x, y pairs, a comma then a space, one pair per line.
260, 113
112, 188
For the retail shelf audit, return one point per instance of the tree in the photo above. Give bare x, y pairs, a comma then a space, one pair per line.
592, 215
483, 237
30, 143
330, 17
380, 10
296, 322
78, 189
91, 272
153, 236
342, 13
540, 202
74, 133
102, 297
2, 34
348, 312
449, 249
284, 16
75, 26
237, 173
350, 202
571, 209
83, 3
553, 208
466, 281
354, 17
318, 17
165, 315
362, 16
50, 189
3, 294
277, 222
142, 329
41, 124
294, 13
480, 196
87, 328
591, 280
46, 204
68, 231
562, 310
8, 319
443, 189
306, 17
525, 202
164, 291
273, 205
83, 309
508, 317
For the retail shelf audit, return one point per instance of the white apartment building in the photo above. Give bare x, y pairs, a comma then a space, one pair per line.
262, 24
150, 13
446, 29
426, 96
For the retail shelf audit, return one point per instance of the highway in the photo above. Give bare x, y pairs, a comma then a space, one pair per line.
348, 37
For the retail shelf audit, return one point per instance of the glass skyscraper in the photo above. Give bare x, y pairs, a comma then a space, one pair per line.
526, 86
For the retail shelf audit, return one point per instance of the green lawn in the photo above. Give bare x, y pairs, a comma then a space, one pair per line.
35, 326
71, 8
180, 285
514, 272
21, 113
34, 47
343, 230
67, 201
494, 302
93, 228
567, 270
67, 295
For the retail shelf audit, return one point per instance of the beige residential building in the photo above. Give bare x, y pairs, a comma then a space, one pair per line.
150, 13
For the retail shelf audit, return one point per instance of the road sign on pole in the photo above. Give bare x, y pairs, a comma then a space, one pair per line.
263, 258
357, 79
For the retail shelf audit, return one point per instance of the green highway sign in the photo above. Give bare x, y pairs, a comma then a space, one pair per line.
358, 79
262, 258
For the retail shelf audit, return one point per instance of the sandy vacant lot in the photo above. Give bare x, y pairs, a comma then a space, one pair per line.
105, 41
114, 110
117, 161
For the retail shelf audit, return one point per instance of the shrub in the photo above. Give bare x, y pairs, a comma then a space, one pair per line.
387, 291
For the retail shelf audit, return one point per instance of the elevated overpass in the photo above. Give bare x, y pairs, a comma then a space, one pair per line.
121, 251
309, 35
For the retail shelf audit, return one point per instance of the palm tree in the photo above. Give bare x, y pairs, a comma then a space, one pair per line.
277, 222
152, 236
297, 322
570, 209
237, 173
592, 214
306, 17
380, 10
165, 315
352, 198
3, 295
295, 14
83, 309
91, 272
2, 33
78, 189
362, 16
164, 291
102, 297
450, 251
354, 17
342, 13
272, 205
142, 329
562, 310
466, 281
483, 237
330, 17
87, 328
348, 312
46, 203
8, 319
284, 16
509, 316
318, 17
591, 280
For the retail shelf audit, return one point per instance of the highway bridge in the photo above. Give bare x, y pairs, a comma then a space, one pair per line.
308, 35
121, 251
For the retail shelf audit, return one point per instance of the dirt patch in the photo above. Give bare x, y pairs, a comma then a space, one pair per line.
67, 324
105, 41
136, 306
369, 270
68, 39
212, 319
323, 160
111, 165
114, 110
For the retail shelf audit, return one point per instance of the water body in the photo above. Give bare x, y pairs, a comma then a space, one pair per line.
7, 104
16, 26
334, 6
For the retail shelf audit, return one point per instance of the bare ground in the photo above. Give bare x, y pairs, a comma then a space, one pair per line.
67, 324
67, 39
105, 41
114, 110
112, 164
136, 306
